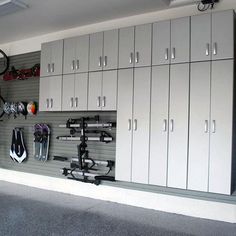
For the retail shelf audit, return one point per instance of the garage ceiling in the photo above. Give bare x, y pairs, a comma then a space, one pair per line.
45, 16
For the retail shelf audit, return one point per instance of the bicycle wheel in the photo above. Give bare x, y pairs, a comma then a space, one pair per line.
2, 102
4, 62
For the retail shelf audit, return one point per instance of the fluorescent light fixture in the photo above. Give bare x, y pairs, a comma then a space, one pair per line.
177, 3
11, 6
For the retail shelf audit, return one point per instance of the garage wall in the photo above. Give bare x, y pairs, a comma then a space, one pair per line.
28, 90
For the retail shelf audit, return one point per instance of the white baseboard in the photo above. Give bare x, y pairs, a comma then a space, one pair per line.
156, 201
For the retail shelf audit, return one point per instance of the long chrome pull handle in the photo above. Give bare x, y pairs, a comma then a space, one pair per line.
215, 49
100, 61
53, 67
47, 103
51, 101
173, 53
77, 64
213, 126
166, 54
207, 49
135, 124
98, 101
76, 102
171, 125
137, 57
73, 65
103, 101
129, 124
206, 126
131, 58
164, 125
71, 102
49, 68
105, 61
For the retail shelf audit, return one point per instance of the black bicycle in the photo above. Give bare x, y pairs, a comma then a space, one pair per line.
4, 62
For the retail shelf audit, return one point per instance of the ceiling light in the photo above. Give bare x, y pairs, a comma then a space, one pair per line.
177, 3
11, 6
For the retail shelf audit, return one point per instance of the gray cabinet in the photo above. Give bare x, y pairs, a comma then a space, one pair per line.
133, 114
51, 58
159, 125
135, 46
75, 92
103, 50
50, 93
76, 52
178, 126
102, 92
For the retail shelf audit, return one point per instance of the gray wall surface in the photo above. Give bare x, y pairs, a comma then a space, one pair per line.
28, 90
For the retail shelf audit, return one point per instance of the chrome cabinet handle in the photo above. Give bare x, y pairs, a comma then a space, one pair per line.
51, 101
173, 53
129, 124
77, 64
215, 49
207, 49
52, 70
213, 126
166, 53
76, 102
49, 68
98, 101
73, 65
103, 101
100, 61
47, 103
105, 61
131, 58
71, 102
171, 125
137, 57
164, 125
135, 124
206, 126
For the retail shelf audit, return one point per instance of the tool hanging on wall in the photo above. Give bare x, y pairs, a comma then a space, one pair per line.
84, 168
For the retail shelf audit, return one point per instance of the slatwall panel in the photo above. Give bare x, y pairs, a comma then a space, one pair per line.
28, 90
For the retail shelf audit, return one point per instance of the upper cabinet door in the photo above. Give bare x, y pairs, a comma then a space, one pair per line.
143, 45
45, 59
161, 43
223, 35
109, 90
56, 57
69, 56
201, 37
180, 40
110, 52
126, 47
95, 91
82, 53
96, 49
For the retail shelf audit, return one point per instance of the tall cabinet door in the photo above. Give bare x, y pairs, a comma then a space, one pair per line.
95, 91
55, 92
159, 125
81, 92
221, 127
141, 122
82, 53
109, 90
180, 40
68, 89
161, 43
124, 125
96, 49
126, 47
178, 126
44, 88
223, 35
143, 45
69, 56
110, 58
56, 57
201, 37
198, 163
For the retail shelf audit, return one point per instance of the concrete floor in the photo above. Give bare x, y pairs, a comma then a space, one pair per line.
26, 211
